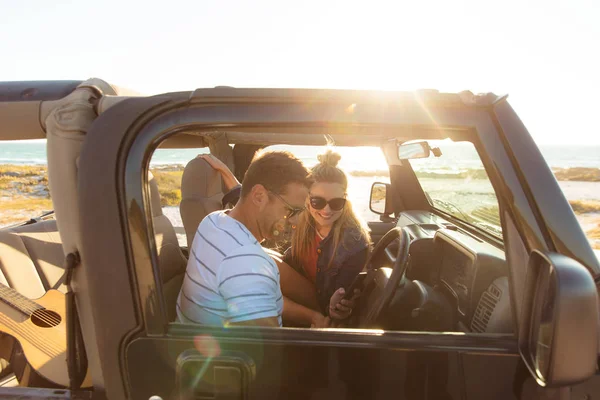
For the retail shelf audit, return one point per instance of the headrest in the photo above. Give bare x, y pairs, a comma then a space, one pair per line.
200, 180
154, 196
201, 194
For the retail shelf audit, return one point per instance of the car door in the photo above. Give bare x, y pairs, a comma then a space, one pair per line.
142, 354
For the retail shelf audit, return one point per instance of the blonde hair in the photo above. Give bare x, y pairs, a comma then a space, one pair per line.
303, 240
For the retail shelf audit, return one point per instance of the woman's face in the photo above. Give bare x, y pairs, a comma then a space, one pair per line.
321, 191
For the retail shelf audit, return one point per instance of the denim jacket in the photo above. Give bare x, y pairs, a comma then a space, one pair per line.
348, 261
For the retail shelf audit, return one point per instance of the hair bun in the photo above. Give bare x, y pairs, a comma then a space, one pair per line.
329, 158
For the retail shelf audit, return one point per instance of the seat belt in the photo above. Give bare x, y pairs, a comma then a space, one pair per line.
76, 356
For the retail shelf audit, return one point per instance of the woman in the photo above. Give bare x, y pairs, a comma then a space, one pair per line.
329, 245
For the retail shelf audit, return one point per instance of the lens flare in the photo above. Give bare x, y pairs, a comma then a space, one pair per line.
207, 345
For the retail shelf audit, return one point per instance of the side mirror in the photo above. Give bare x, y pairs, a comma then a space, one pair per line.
411, 151
558, 336
381, 200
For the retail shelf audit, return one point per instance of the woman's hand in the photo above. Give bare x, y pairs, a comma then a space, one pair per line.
340, 308
228, 178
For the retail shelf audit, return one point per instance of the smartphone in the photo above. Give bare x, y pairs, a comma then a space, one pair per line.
356, 284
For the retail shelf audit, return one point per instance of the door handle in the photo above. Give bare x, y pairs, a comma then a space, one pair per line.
225, 377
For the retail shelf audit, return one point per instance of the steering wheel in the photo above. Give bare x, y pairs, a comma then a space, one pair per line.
397, 275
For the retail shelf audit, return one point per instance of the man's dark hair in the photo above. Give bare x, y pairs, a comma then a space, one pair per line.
274, 170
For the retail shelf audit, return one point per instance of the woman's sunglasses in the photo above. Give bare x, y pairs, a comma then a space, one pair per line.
319, 203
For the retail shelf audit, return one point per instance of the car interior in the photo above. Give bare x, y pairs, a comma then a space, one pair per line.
452, 279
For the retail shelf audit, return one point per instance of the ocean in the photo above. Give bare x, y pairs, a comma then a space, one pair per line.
455, 157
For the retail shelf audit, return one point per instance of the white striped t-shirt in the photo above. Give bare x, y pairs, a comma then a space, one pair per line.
229, 277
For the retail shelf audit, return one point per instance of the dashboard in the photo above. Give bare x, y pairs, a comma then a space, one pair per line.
457, 272
472, 274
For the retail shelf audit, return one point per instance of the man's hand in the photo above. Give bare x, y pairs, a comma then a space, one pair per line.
340, 308
295, 314
320, 321
228, 178
214, 162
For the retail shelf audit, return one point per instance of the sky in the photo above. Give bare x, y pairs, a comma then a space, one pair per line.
543, 54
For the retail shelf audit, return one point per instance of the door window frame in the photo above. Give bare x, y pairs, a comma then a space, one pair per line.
207, 119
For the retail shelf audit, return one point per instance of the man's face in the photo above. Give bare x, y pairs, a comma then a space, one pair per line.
276, 216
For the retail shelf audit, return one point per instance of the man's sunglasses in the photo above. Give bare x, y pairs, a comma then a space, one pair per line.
319, 203
293, 210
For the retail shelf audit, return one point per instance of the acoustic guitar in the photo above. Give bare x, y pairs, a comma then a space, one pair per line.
40, 328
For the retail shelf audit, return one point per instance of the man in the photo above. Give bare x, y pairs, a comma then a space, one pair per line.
230, 279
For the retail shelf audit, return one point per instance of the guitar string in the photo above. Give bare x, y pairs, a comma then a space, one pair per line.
37, 339
34, 336
28, 305
40, 312
46, 316
18, 299
49, 347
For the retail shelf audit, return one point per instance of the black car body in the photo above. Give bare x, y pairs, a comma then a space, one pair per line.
430, 341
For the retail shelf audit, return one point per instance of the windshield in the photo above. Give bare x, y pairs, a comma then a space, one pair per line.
456, 183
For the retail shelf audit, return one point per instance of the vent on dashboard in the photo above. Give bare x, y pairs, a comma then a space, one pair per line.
494, 291
485, 308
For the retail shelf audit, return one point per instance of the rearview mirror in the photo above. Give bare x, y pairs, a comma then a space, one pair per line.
409, 151
558, 339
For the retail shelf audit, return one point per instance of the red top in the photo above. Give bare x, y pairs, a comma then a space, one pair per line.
310, 266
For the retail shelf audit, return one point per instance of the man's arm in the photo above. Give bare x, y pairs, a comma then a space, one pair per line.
249, 285
295, 314
270, 321
296, 287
